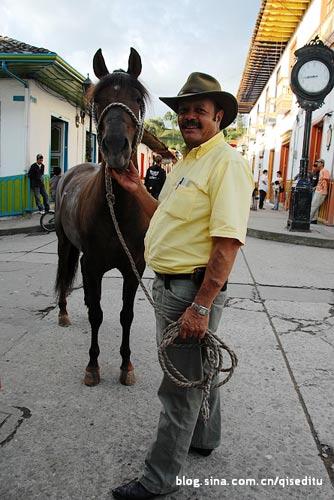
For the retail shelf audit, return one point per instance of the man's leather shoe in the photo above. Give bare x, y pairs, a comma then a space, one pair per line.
314, 222
133, 490
205, 452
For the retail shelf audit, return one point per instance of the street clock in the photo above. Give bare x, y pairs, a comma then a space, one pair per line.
312, 77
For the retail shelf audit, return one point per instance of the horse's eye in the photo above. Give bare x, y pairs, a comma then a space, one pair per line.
139, 100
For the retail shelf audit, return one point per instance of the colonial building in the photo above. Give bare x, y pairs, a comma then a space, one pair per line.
276, 123
42, 111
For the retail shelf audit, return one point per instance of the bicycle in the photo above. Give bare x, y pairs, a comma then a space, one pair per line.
47, 221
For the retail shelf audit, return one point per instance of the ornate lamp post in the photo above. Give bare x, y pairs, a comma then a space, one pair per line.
86, 84
312, 78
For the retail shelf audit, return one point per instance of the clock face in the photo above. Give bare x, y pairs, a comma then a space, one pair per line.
313, 76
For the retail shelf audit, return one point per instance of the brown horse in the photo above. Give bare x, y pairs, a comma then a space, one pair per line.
83, 221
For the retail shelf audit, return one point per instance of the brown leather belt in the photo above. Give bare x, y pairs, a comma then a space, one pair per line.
197, 277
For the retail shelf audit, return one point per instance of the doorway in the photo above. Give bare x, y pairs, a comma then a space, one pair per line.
59, 145
315, 146
270, 172
284, 164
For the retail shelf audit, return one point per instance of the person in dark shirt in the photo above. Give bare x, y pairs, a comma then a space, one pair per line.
155, 177
35, 175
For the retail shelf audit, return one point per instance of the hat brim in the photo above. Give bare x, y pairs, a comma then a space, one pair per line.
226, 100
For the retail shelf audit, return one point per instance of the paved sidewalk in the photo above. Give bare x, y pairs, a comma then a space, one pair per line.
271, 225
28, 223
264, 224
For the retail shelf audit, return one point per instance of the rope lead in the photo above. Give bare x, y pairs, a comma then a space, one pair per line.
212, 344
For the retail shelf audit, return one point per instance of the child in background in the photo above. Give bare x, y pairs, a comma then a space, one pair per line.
54, 182
277, 190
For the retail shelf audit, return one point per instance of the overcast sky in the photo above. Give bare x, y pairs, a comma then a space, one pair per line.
173, 37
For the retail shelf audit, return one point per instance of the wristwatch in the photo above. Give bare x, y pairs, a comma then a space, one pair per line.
201, 310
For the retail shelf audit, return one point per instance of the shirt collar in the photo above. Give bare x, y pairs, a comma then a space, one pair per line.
198, 152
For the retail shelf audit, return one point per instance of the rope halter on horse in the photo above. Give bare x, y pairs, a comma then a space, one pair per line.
138, 121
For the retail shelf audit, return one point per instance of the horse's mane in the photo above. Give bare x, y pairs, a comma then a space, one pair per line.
121, 78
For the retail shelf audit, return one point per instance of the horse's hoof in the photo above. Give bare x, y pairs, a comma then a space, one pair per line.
127, 377
92, 377
63, 320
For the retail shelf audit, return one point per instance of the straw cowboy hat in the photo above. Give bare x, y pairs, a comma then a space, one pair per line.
202, 85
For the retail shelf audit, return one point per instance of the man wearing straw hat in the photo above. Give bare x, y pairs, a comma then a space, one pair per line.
196, 229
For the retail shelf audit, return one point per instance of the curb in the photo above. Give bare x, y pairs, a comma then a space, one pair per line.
254, 233
21, 230
293, 239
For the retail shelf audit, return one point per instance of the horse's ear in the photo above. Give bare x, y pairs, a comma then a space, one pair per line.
134, 67
99, 66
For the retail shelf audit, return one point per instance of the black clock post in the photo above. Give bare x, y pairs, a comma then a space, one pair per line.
312, 78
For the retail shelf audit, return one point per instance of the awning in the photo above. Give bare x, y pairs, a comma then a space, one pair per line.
275, 24
49, 70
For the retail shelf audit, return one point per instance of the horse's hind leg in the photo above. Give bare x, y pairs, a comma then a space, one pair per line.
68, 256
92, 290
130, 285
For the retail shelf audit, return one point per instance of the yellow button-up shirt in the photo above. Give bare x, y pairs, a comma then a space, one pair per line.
206, 195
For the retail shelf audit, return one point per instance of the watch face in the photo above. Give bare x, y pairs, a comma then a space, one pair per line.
313, 76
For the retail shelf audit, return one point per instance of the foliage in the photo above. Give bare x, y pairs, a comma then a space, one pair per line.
166, 129
236, 130
156, 126
171, 117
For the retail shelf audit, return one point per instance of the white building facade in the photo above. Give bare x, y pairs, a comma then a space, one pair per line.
34, 121
276, 123
42, 110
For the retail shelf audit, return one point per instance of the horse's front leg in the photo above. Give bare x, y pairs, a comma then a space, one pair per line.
130, 285
92, 290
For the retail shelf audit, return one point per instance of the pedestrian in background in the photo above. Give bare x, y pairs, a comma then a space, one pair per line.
54, 182
35, 175
263, 188
314, 176
155, 177
320, 192
278, 189
254, 199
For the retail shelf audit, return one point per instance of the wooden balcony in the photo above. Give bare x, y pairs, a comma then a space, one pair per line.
284, 101
270, 118
260, 122
251, 133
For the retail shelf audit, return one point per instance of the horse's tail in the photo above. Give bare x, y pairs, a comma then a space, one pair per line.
68, 258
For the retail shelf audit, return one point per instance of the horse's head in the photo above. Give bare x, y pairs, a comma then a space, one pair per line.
118, 101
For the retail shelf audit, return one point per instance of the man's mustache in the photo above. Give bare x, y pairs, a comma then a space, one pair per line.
190, 123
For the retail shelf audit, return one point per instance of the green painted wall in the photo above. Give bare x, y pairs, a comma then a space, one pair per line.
15, 195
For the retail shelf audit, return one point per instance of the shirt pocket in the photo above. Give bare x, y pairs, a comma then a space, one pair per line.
181, 202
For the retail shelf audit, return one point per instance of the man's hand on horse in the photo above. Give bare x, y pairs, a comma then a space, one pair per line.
193, 324
129, 180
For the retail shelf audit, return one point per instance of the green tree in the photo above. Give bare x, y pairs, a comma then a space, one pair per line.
236, 131
169, 135
171, 117
155, 125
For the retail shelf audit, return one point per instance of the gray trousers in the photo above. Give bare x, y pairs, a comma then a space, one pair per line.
179, 424
40, 190
317, 201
